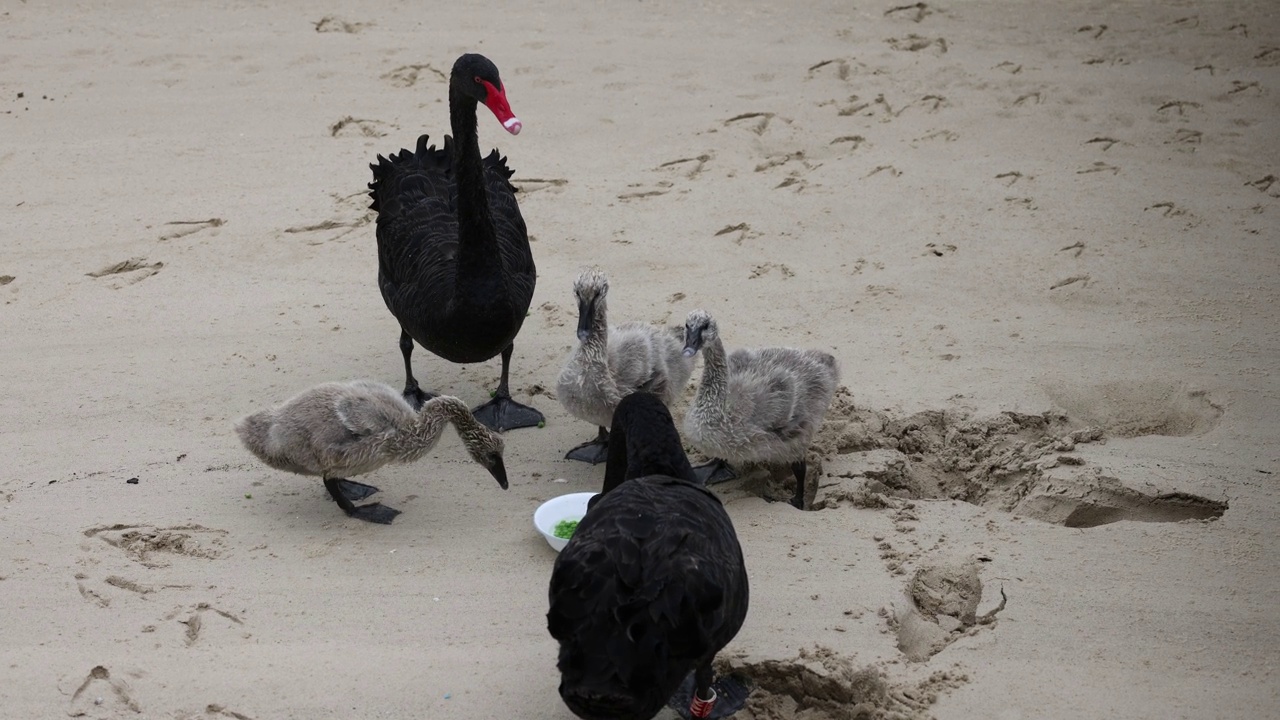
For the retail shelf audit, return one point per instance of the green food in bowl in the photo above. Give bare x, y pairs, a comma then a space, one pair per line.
564, 529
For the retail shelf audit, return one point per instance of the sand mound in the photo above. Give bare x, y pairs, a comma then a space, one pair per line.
822, 685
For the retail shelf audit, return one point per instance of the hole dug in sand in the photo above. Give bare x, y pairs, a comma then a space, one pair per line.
822, 685
941, 607
1011, 461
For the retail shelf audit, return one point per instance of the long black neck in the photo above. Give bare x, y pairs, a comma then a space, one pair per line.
644, 441
477, 252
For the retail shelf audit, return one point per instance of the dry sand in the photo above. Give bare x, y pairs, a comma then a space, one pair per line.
1041, 237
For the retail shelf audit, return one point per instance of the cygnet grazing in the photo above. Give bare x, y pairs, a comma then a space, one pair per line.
340, 429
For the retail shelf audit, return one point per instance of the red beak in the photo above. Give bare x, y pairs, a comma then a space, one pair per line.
497, 102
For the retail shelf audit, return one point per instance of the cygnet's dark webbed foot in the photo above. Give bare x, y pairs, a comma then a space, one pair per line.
502, 414
731, 696
714, 472
356, 491
373, 512
592, 451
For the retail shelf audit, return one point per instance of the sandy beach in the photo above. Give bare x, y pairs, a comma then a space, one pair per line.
1040, 238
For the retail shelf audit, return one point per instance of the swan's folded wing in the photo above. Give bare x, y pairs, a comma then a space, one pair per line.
364, 415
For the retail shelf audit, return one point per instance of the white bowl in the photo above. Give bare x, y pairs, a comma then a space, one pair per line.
565, 507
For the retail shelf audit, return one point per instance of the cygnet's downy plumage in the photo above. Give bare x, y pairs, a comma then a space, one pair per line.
756, 406
613, 362
651, 585
341, 429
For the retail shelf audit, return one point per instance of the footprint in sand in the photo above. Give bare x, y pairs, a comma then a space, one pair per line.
533, 185
1170, 210
1094, 31
331, 24
917, 43
635, 193
854, 141
743, 231
887, 170
1177, 107
147, 544
194, 619
215, 710
691, 168
765, 268
100, 695
1266, 185
1113, 60
89, 594
408, 75
356, 127
355, 216
1105, 143
1011, 177
756, 122
916, 12
191, 227
1099, 166
840, 67
133, 270
552, 314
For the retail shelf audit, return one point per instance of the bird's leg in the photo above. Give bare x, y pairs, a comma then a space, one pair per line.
373, 512
699, 697
704, 696
592, 451
414, 394
502, 413
714, 472
356, 491
800, 470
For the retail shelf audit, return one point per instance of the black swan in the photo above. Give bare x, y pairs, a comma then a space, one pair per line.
454, 263
336, 430
651, 585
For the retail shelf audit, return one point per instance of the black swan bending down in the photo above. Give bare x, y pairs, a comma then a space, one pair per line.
651, 585
454, 263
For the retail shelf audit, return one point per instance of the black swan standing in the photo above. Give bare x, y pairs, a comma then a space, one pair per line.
651, 585
454, 263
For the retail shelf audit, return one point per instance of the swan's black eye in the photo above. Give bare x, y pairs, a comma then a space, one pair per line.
478, 80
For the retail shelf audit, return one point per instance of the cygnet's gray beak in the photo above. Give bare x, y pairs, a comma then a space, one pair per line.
692, 341
586, 314
499, 472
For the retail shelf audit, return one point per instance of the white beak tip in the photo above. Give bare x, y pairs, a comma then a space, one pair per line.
513, 125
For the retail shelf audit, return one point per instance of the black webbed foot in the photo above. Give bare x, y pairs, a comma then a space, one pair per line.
374, 513
731, 696
356, 491
714, 472
592, 451
503, 413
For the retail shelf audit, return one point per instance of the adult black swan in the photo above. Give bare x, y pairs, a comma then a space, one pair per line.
454, 263
651, 585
